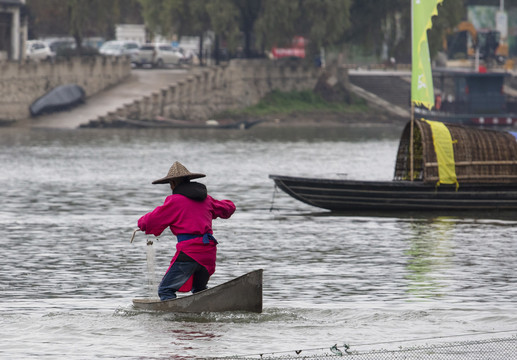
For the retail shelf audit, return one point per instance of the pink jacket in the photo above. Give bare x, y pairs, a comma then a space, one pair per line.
186, 216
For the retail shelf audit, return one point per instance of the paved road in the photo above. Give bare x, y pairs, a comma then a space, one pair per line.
142, 82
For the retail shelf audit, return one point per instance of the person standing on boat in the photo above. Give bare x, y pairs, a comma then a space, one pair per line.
188, 212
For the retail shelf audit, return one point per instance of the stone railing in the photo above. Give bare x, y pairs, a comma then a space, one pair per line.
22, 83
210, 90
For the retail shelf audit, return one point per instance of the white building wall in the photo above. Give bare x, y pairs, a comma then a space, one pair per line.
18, 31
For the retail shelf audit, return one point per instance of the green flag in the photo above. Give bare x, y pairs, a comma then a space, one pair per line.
422, 92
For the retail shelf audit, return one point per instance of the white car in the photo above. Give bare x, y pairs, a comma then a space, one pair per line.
158, 55
38, 50
119, 48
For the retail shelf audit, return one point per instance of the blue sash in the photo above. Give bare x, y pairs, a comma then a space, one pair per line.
206, 237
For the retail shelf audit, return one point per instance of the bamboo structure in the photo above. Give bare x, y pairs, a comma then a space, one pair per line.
480, 156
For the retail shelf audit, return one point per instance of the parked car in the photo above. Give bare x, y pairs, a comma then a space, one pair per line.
118, 48
58, 45
38, 50
158, 55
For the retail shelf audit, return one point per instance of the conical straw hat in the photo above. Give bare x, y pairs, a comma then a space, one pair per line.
178, 171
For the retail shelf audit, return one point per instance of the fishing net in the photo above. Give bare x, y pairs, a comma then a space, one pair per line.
494, 348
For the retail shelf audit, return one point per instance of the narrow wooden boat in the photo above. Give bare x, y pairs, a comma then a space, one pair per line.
484, 163
240, 294
161, 122
377, 196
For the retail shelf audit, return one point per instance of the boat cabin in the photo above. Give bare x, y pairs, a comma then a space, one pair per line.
478, 155
468, 92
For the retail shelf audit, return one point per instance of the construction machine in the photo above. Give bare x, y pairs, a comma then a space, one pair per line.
486, 44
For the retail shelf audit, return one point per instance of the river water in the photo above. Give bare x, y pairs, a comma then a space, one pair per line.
70, 200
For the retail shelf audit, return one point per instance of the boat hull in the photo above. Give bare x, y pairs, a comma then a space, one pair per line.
59, 98
348, 195
240, 294
161, 122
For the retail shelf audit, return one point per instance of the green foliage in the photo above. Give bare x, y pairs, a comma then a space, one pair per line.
154, 15
254, 25
323, 22
224, 16
80, 18
450, 14
377, 22
277, 102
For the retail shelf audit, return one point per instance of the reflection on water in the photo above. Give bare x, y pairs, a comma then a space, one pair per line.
71, 199
152, 281
429, 256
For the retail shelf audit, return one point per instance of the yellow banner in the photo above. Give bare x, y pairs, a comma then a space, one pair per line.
422, 92
442, 141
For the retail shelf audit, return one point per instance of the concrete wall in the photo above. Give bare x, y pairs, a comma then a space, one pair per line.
210, 90
22, 83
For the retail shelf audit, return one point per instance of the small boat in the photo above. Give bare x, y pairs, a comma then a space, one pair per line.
380, 196
57, 99
240, 294
485, 166
161, 122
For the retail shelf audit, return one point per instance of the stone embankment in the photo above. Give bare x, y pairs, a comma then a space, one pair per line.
22, 83
206, 91
116, 93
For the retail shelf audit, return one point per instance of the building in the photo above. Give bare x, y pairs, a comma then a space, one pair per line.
13, 29
130, 32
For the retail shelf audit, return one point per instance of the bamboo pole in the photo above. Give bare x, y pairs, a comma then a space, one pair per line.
412, 103
411, 140
476, 163
476, 178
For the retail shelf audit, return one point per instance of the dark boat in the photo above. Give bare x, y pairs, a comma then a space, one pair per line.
485, 165
60, 98
240, 294
348, 195
471, 98
162, 122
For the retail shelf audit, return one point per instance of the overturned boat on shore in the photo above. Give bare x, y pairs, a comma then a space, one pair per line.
59, 98
470, 169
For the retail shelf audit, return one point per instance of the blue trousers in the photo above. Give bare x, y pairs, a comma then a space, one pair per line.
178, 275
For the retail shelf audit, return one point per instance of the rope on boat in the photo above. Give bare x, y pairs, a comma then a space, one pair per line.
273, 198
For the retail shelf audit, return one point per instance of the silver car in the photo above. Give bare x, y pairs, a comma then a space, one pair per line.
119, 48
158, 55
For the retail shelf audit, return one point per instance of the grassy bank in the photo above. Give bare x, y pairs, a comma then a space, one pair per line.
282, 103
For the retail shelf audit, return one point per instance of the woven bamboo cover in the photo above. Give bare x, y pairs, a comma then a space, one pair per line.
481, 156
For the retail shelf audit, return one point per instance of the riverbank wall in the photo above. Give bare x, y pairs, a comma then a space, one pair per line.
21, 83
211, 90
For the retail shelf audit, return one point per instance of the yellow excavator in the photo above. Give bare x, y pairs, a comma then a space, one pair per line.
488, 42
